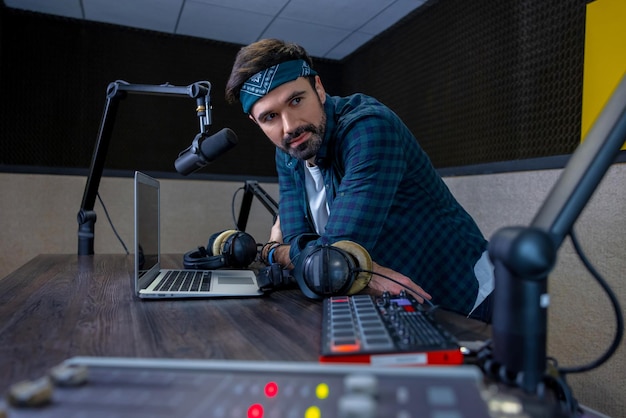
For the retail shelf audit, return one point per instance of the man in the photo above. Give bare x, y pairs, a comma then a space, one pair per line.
349, 169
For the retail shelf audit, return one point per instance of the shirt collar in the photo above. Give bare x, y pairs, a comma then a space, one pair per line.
321, 158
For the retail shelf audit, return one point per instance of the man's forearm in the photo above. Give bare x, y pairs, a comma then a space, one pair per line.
275, 252
280, 255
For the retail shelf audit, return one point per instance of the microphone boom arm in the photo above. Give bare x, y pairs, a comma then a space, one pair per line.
116, 91
524, 256
252, 189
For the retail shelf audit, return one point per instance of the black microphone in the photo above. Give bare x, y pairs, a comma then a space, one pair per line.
204, 150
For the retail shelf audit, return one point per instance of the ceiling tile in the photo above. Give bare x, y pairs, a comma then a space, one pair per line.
326, 28
344, 14
67, 8
158, 15
316, 39
221, 23
264, 7
391, 15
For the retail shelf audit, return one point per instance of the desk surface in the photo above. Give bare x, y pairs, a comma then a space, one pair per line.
59, 306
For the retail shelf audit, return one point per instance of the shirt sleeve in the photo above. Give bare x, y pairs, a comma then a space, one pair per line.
372, 152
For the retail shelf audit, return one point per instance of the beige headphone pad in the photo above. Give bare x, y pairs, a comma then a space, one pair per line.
364, 261
218, 243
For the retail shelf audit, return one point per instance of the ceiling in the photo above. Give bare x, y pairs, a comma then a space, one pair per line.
326, 28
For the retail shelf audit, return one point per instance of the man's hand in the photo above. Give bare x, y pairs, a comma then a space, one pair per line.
276, 234
380, 284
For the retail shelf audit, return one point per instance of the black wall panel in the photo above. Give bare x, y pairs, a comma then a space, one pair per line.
481, 81
477, 82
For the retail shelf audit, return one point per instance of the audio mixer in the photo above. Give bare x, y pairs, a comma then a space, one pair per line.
127, 387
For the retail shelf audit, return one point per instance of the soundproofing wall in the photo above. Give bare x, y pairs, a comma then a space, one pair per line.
476, 82
481, 81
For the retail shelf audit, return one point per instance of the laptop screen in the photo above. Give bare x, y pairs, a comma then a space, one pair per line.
146, 222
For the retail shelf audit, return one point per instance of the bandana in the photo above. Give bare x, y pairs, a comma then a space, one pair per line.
265, 81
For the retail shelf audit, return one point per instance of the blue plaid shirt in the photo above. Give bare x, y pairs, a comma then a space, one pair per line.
384, 194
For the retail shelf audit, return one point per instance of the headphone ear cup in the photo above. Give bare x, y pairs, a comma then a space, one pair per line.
240, 249
363, 262
323, 271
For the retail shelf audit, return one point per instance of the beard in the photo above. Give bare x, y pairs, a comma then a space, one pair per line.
307, 149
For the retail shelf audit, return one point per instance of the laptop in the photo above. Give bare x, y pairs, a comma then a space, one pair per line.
151, 281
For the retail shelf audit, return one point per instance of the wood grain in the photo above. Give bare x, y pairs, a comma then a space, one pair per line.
59, 306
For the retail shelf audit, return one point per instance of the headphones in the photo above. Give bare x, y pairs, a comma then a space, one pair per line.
230, 248
343, 268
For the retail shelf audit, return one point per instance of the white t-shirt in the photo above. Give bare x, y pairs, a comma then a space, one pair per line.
316, 193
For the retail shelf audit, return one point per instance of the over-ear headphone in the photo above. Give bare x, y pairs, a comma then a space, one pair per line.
230, 248
343, 268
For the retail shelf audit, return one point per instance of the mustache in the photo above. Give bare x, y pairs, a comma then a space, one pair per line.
299, 131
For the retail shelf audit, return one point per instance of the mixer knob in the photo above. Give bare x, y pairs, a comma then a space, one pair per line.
384, 299
361, 384
357, 405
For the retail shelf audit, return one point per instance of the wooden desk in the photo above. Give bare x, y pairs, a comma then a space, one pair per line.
59, 306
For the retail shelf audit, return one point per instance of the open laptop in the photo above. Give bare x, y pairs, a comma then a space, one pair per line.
151, 281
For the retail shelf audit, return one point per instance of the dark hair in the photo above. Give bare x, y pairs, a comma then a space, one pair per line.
257, 57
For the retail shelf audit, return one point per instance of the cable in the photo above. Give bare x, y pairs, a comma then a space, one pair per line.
555, 381
106, 212
232, 206
616, 308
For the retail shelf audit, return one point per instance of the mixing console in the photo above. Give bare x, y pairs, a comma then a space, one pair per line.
122, 387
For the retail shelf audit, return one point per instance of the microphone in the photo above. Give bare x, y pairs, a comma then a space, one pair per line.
204, 150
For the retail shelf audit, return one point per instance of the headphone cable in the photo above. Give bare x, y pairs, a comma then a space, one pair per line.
106, 212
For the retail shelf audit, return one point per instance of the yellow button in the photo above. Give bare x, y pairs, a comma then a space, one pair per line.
312, 412
321, 391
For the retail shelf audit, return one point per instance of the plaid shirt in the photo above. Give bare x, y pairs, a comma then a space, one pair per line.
384, 194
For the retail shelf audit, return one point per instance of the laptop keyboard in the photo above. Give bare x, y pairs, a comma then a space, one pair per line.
185, 281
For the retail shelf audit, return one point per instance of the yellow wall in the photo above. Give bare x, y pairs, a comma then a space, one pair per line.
605, 56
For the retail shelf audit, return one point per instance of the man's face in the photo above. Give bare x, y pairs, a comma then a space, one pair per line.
292, 116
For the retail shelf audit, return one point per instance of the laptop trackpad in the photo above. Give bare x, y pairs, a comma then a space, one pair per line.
235, 280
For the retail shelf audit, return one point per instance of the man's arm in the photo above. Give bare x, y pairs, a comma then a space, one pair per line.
380, 279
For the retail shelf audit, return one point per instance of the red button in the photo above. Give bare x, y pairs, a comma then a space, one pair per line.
271, 389
255, 411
